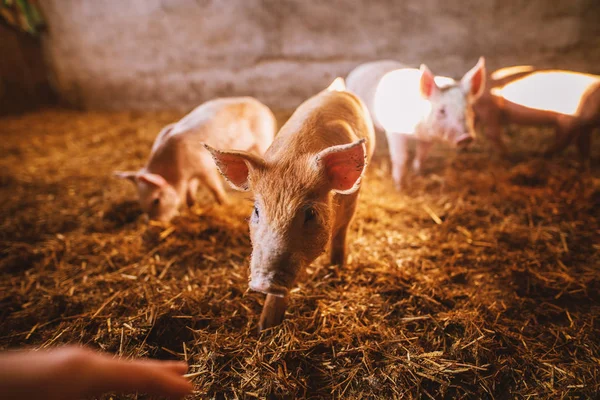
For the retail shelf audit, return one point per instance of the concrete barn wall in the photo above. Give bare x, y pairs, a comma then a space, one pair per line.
152, 54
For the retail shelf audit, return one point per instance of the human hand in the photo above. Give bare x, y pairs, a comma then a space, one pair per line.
75, 372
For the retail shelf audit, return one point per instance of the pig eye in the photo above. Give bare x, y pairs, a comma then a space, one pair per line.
442, 112
309, 215
156, 202
255, 213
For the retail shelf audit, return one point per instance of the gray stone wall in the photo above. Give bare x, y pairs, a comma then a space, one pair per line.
152, 54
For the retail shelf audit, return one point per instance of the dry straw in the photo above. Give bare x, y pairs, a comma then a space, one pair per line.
482, 281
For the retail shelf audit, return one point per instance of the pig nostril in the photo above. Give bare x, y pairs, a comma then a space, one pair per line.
265, 286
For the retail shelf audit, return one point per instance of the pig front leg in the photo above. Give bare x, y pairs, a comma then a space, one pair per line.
398, 144
345, 211
422, 151
338, 247
273, 312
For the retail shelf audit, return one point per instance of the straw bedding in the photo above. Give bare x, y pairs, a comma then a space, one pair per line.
482, 280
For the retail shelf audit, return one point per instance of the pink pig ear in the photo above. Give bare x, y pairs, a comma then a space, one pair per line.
152, 179
235, 166
473, 82
427, 83
343, 165
129, 175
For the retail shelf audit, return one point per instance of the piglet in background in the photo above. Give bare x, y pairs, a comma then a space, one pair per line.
567, 101
409, 103
305, 191
179, 162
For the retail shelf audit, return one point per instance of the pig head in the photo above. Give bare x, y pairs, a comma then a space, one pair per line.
294, 211
157, 197
451, 117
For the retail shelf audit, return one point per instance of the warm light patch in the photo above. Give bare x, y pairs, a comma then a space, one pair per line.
557, 91
508, 71
398, 105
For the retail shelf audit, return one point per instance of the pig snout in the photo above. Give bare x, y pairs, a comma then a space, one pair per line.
273, 274
266, 285
164, 216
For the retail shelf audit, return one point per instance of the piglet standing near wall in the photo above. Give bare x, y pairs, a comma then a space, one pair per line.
411, 103
179, 162
305, 191
568, 101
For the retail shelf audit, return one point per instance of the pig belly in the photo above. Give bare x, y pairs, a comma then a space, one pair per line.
518, 114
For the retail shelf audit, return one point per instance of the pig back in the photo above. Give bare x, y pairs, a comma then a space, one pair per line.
327, 119
223, 123
364, 79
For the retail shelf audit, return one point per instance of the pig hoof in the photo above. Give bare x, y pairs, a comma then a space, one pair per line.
338, 258
338, 263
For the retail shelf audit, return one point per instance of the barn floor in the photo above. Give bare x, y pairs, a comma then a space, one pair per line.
481, 281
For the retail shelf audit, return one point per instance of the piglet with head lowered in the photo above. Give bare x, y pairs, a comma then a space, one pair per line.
179, 162
410, 103
305, 191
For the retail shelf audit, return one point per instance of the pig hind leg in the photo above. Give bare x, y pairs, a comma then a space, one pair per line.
213, 182
190, 193
584, 144
563, 137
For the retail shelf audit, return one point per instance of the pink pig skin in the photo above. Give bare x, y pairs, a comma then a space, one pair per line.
179, 162
449, 118
493, 111
305, 190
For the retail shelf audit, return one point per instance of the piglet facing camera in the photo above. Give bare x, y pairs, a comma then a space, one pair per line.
179, 163
305, 188
408, 103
